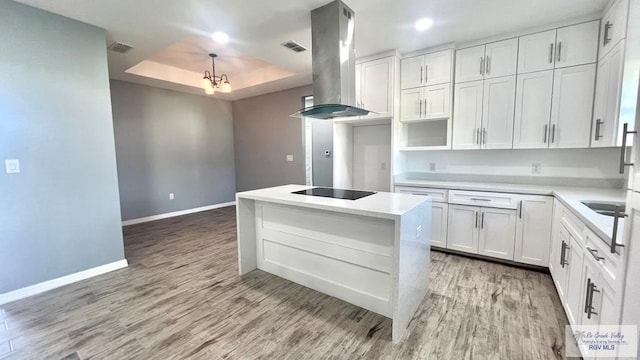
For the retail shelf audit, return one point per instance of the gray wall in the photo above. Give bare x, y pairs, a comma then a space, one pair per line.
170, 142
264, 135
322, 134
60, 215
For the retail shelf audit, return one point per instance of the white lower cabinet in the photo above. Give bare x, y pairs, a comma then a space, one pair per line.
496, 233
574, 263
462, 230
533, 230
439, 214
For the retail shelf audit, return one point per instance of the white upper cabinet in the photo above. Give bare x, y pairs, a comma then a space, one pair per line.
467, 115
533, 230
567, 46
470, 64
497, 113
411, 104
571, 110
614, 26
438, 67
377, 86
533, 110
606, 108
577, 44
436, 101
536, 52
501, 58
424, 70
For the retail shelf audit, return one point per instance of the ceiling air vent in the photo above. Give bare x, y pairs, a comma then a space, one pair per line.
120, 47
294, 46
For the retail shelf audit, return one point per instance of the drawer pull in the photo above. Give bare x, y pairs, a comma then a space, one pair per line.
594, 253
479, 199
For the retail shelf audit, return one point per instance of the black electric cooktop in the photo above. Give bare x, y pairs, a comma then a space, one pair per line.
335, 193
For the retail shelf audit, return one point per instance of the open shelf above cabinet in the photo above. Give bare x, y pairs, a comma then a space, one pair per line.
426, 135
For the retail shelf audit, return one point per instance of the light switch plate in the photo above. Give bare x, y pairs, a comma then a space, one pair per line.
289, 157
12, 166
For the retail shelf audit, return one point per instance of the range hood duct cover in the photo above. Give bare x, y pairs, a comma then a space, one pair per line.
334, 63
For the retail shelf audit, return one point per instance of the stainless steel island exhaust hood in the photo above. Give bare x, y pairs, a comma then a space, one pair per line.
334, 63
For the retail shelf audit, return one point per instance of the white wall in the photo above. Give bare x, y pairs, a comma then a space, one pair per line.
571, 163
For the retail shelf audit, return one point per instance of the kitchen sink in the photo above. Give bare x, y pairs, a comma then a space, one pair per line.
605, 208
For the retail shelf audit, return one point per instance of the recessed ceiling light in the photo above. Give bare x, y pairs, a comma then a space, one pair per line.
220, 37
424, 24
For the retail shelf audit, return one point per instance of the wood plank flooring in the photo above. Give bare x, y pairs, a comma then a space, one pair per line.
182, 298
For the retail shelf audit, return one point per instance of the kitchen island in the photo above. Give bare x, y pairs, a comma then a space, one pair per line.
372, 252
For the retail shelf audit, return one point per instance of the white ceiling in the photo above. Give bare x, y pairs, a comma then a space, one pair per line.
257, 27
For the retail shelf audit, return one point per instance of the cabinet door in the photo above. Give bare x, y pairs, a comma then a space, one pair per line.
571, 107
607, 101
467, 115
497, 233
564, 242
436, 101
412, 72
536, 51
358, 85
439, 214
501, 58
438, 67
577, 44
497, 113
470, 64
574, 298
533, 110
377, 86
411, 104
613, 27
462, 229
533, 230
555, 248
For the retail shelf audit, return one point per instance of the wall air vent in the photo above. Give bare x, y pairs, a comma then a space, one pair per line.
294, 46
119, 47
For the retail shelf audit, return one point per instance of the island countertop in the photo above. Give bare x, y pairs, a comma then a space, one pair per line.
381, 204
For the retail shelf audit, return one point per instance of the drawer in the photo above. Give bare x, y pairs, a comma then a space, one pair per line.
437, 195
610, 265
484, 199
573, 224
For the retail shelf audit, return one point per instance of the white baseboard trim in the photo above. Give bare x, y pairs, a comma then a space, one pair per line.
176, 213
61, 281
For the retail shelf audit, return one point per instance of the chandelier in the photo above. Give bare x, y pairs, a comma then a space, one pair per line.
211, 82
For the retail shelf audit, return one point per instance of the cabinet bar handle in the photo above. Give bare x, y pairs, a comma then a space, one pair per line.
562, 252
550, 53
616, 216
476, 219
479, 199
420, 108
546, 128
586, 296
553, 133
605, 38
484, 136
520, 210
594, 253
426, 74
488, 65
591, 288
559, 51
482, 221
625, 132
482, 65
421, 73
477, 135
598, 135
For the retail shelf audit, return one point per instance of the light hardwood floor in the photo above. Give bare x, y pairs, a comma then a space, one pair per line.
182, 298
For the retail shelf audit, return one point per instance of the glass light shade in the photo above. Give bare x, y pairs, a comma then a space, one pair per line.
206, 83
209, 90
226, 87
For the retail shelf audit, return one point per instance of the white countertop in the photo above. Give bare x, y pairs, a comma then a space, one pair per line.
381, 204
571, 197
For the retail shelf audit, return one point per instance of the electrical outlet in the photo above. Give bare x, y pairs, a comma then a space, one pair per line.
289, 157
12, 166
432, 166
536, 168
172, 196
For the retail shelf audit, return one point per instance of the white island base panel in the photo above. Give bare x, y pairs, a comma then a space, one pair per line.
380, 264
